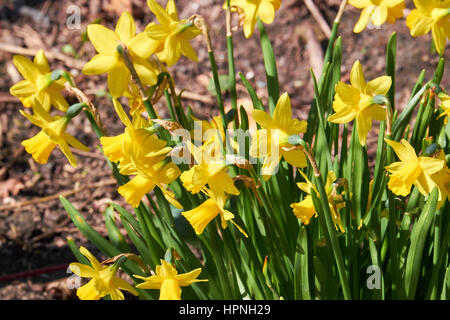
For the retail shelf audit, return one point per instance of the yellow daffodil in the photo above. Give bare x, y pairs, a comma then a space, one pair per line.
445, 104
37, 83
109, 60
356, 101
52, 134
103, 281
253, 9
169, 281
141, 153
431, 15
271, 141
171, 34
304, 210
442, 181
411, 170
208, 171
202, 215
379, 11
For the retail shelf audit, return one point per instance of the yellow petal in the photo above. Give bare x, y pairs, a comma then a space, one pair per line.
161, 14
266, 12
41, 62
379, 15
143, 46
118, 79
380, 85
250, 19
100, 64
112, 147
360, 4
40, 147
304, 210
200, 216
82, 270
363, 125
26, 68
135, 189
418, 24
282, 114
103, 39
125, 27
357, 76
170, 290
263, 119
439, 37
295, 157
124, 285
270, 165
363, 19
92, 259
186, 279
431, 165
88, 291
24, 88
400, 182
171, 52
187, 50
404, 151
153, 282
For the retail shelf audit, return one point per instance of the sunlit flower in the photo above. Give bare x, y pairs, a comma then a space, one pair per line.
141, 153
52, 134
172, 34
379, 11
37, 83
169, 281
271, 142
202, 215
109, 60
434, 16
103, 281
305, 210
254, 9
445, 104
355, 100
411, 170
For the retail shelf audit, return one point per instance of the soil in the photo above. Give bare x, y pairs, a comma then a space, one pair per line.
33, 236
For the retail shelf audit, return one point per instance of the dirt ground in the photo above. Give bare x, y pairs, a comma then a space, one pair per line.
33, 224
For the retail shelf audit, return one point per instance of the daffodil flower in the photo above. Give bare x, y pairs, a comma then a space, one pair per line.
305, 210
253, 9
171, 34
52, 134
271, 142
169, 281
445, 104
201, 216
411, 170
431, 15
103, 281
109, 60
379, 11
141, 153
356, 101
37, 83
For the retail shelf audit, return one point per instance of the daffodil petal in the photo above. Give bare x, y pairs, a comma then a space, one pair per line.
125, 27
103, 39
100, 64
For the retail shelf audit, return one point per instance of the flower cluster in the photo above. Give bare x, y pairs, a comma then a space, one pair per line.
183, 171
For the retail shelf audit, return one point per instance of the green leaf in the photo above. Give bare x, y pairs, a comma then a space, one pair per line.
418, 236
301, 269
